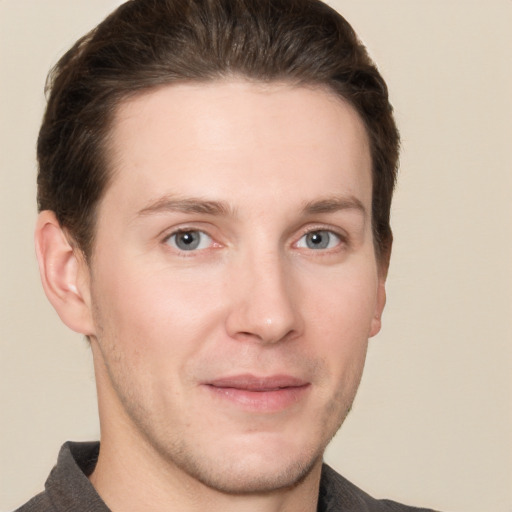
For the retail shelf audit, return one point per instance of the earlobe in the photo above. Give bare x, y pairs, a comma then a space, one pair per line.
382, 270
64, 274
376, 323
380, 302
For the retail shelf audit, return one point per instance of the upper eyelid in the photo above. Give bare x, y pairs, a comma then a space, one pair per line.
344, 240
341, 233
336, 233
188, 253
208, 229
186, 230
183, 228
179, 231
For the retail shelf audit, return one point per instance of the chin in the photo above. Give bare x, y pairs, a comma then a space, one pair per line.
258, 459
251, 476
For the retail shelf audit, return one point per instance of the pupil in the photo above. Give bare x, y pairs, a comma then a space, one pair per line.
187, 238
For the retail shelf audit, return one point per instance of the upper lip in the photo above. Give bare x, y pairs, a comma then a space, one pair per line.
250, 382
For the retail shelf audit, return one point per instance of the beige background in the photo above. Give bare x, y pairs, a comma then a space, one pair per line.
432, 424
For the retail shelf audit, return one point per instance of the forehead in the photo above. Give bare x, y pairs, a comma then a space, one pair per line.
240, 140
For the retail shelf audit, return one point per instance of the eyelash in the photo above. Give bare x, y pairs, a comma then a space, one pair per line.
341, 239
184, 231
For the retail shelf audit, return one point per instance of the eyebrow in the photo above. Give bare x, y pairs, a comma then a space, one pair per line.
221, 208
335, 204
187, 205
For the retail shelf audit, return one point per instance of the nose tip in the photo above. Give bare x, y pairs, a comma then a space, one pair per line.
267, 330
264, 307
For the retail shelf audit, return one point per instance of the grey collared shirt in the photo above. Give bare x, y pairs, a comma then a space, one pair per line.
68, 489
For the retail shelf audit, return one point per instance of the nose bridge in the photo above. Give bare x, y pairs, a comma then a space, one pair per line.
264, 305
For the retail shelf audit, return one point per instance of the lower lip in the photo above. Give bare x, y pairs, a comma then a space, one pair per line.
261, 401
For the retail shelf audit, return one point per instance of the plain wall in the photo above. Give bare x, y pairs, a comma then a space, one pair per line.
432, 422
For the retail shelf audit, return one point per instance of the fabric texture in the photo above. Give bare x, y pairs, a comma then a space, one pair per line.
68, 489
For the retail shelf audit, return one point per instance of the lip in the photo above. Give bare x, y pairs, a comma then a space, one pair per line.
259, 394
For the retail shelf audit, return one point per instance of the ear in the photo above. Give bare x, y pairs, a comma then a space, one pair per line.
379, 306
382, 269
64, 274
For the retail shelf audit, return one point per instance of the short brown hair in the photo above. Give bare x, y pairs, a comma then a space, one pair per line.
148, 43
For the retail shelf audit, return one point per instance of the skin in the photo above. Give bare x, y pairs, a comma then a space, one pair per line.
224, 371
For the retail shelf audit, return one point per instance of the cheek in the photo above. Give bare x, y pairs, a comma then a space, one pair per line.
344, 302
154, 313
340, 318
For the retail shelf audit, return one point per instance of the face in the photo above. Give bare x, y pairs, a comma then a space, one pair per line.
233, 284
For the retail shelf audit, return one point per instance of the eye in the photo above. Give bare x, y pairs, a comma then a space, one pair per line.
320, 239
189, 240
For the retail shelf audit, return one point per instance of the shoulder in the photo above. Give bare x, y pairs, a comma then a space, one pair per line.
68, 489
39, 503
337, 494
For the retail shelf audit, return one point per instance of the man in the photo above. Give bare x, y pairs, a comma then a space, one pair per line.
215, 180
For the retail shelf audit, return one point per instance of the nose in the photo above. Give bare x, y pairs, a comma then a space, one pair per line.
264, 301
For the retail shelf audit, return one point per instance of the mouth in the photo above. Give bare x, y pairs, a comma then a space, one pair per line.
259, 394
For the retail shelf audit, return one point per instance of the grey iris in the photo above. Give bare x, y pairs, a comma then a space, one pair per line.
318, 239
188, 240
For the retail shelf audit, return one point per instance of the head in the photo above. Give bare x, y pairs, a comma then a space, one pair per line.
144, 45
219, 176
